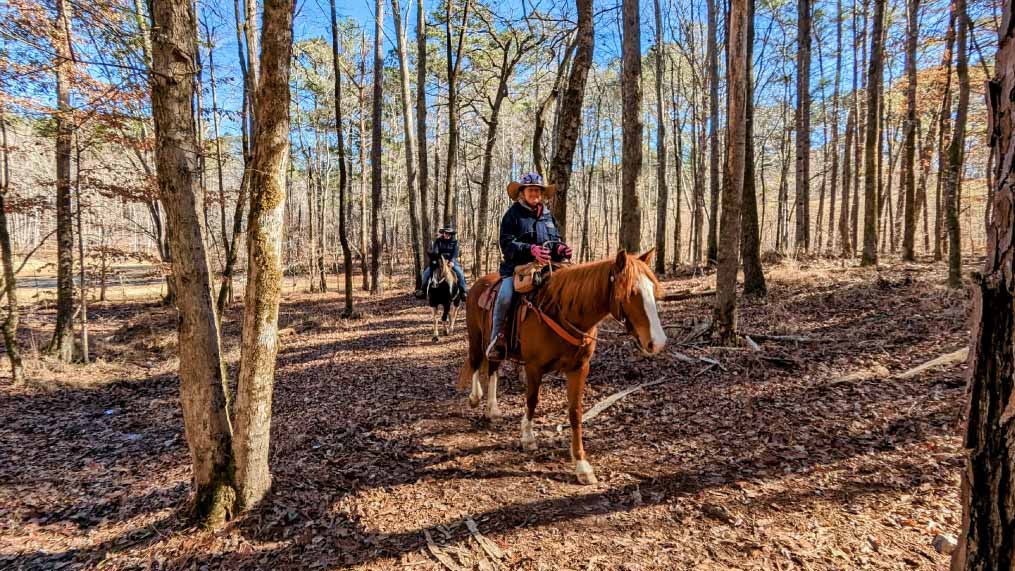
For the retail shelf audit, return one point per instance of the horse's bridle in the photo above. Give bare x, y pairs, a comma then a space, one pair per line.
617, 308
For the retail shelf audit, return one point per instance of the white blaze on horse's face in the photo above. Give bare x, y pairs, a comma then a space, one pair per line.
657, 337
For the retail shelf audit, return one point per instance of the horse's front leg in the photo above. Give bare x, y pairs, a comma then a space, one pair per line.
435, 338
492, 412
575, 391
444, 320
533, 378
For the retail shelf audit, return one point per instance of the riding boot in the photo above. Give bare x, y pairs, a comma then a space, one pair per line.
497, 350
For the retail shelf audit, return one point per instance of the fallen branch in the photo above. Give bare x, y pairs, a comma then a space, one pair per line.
942, 361
610, 401
681, 357
698, 331
687, 294
439, 555
752, 343
492, 549
783, 338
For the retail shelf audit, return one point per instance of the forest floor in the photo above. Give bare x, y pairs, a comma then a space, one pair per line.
806, 455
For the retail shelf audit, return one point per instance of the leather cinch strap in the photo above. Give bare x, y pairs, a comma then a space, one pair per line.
558, 329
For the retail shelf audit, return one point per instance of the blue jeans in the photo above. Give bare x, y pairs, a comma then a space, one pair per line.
500, 309
458, 272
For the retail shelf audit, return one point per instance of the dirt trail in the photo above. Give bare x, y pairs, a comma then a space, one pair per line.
768, 461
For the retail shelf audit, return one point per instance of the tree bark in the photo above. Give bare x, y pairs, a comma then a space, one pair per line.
733, 181
870, 221
410, 145
377, 196
830, 244
10, 285
454, 61
987, 541
845, 241
630, 218
62, 344
909, 149
713, 131
803, 127
663, 200
750, 246
944, 119
424, 174
202, 375
956, 150
259, 342
570, 113
343, 177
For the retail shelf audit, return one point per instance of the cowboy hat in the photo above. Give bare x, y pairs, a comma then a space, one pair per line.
514, 188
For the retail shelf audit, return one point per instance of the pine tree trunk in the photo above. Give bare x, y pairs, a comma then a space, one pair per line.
570, 113
750, 247
678, 160
410, 144
364, 264
803, 127
663, 200
62, 344
844, 237
630, 219
870, 221
909, 151
343, 175
733, 182
202, 373
956, 150
424, 172
713, 131
830, 244
454, 61
377, 196
987, 541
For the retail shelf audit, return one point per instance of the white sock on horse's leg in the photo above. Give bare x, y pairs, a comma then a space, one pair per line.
477, 390
492, 411
584, 471
528, 438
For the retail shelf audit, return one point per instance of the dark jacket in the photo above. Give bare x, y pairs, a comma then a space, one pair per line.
521, 228
447, 248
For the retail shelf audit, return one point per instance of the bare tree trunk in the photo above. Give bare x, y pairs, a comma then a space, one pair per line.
424, 174
630, 219
410, 145
343, 177
830, 244
377, 196
909, 149
661, 212
10, 286
454, 61
844, 237
259, 342
803, 127
83, 286
202, 375
725, 312
713, 131
987, 541
750, 247
870, 222
570, 113
956, 150
678, 159
62, 344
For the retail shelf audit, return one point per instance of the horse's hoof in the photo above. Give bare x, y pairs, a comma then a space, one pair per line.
583, 470
492, 414
473, 401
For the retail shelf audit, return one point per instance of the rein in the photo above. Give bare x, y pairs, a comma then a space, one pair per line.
559, 330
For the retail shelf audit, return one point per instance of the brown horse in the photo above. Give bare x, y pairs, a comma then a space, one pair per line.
575, 300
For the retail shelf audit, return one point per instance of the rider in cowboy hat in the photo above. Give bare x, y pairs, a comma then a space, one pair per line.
524, 230
445, 245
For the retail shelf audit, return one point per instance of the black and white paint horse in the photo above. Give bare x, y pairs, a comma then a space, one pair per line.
443, 292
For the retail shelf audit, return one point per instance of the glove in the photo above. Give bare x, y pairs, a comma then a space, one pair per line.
564, 251
540, 253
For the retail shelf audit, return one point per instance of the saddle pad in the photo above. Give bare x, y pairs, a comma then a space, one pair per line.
489, 296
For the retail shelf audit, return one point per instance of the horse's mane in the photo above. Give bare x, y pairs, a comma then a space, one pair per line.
586, 287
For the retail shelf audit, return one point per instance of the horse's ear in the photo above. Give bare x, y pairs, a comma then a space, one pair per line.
647, 255
621, 260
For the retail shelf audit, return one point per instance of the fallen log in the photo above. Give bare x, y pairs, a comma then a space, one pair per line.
687, 294
610, 401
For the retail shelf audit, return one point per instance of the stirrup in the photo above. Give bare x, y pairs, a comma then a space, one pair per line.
497, 349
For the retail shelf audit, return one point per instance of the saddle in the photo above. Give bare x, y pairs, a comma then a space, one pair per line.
528, 279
